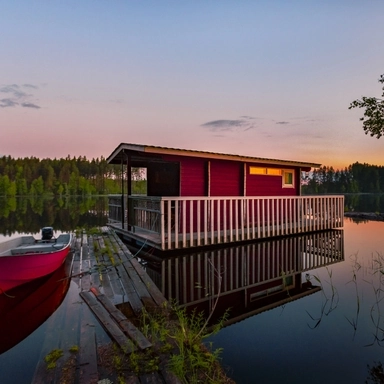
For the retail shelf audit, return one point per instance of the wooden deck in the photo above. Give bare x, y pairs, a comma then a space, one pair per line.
104, 274
179, 223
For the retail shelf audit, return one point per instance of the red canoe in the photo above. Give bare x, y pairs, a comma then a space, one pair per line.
24, 259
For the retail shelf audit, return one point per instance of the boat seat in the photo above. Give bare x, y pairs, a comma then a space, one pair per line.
37, 248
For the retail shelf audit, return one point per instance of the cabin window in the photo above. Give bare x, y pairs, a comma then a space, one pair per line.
257, 171
264, 171
288, 178
274, 171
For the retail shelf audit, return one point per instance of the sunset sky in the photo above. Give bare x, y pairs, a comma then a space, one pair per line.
260, 78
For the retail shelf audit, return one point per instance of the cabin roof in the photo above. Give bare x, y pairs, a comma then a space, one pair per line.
141, 153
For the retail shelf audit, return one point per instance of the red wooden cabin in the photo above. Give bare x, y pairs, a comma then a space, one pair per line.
197, 198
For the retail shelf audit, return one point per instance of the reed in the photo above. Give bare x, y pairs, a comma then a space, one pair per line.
377, 283
330, 300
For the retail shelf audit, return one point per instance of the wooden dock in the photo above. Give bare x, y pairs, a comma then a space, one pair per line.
86, 330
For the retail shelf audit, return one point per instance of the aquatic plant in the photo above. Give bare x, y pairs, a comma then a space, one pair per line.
377, 282
355, 269
74, 349
52, 357
330, 301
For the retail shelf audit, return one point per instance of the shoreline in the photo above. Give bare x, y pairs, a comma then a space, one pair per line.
365, 215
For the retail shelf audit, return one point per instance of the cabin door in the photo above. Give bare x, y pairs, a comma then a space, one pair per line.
163, 179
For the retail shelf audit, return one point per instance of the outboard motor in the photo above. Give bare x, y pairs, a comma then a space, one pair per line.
47, 233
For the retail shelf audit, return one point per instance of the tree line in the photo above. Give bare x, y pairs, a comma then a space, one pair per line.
356, 178
31, 176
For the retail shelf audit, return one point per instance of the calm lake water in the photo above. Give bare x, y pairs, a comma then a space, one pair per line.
326, 335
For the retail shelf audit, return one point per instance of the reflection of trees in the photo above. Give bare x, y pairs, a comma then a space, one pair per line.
7, 206
364, 202
22, 206
63, 214
37, 205
351, 202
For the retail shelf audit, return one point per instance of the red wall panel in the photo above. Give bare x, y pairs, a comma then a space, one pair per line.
226, 178
193, 179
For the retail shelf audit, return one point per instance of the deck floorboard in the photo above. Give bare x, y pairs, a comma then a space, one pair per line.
98, 284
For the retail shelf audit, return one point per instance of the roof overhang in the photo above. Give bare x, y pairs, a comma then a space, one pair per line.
139, 154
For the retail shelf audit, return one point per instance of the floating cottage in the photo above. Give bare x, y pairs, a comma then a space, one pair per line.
199, 199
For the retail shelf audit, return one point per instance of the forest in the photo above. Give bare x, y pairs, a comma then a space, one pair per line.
356, 178
31, 176
79, 176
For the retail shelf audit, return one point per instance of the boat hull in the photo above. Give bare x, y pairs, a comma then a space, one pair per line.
19, 269
24, 308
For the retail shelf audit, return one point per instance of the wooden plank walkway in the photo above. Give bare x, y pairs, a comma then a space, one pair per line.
104, 274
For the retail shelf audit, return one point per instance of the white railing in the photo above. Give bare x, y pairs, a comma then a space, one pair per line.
184, 222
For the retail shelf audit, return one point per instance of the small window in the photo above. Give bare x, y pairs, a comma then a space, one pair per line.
257, 171
288, 179
274, 171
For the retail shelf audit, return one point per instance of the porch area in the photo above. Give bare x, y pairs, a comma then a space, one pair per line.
169, 223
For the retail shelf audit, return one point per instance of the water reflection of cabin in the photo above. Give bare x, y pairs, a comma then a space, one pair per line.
197, 199
248, 279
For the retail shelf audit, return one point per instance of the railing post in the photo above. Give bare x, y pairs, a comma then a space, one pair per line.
218, 225
176, 225
191, 222
122, 211
162, 224
205, 219
211, 215
169, 223
225, 218
198, 207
